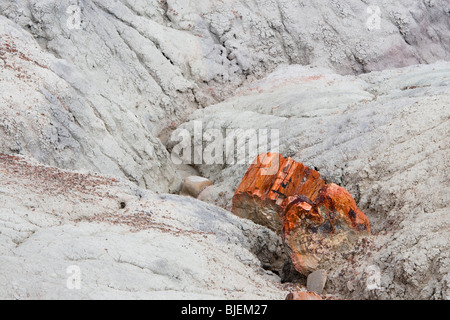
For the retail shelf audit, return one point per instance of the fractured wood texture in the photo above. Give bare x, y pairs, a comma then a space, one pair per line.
317, 221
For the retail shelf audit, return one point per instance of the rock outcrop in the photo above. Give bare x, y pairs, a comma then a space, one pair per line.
100, 85
100, 81
53, 112
317, 221
384, 137
58, 225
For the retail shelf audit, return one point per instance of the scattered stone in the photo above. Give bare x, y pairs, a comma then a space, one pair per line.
316, 281
194, 185
317, 221
300, 295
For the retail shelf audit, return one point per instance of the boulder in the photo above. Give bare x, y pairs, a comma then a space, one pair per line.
318, 222
194, 185
316, 281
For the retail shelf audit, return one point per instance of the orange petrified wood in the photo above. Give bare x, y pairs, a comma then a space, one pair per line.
303, 296
269, 181
316, 220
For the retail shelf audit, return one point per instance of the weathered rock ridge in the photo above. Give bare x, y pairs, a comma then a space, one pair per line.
94, 83
358, 90
385, 137
127, 243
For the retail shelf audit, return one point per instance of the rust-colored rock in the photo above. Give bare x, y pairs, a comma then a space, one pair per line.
264, 191
300, 295
317, 221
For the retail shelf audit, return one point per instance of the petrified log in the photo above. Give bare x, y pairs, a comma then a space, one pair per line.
264, 191
317, 221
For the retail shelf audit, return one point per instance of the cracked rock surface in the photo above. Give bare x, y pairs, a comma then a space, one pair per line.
385, 137
157, 247
359, 90
102, 79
